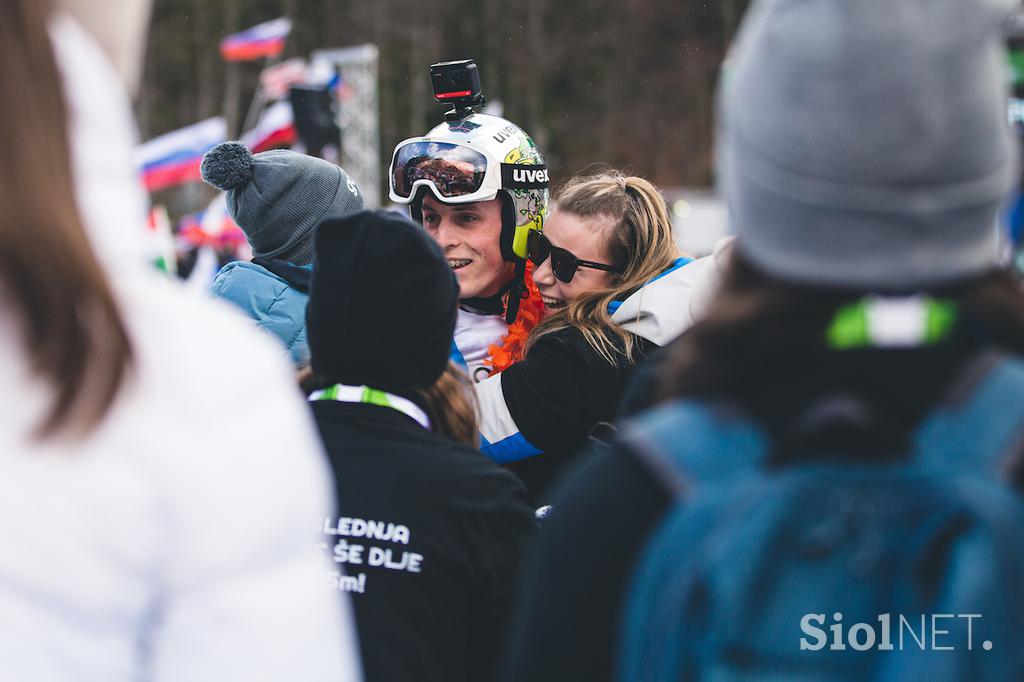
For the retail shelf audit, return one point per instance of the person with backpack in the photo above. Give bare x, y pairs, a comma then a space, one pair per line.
479, 185
428, 538
614, 288
278, 198
839, 441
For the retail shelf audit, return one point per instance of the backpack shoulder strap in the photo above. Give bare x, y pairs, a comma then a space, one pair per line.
979, 427
685, 443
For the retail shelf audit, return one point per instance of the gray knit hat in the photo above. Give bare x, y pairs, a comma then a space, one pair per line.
278, 197
865, 143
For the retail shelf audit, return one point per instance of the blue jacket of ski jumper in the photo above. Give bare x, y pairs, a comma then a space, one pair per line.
276, 304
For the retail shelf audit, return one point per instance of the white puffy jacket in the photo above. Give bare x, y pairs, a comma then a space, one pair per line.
177, 542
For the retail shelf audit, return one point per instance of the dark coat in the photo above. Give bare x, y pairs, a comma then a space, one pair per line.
429, 535
563, 394
568, 614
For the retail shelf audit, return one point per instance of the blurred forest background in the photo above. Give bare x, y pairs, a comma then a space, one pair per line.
629, 83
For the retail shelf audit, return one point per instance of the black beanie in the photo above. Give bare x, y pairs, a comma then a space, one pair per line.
383, 303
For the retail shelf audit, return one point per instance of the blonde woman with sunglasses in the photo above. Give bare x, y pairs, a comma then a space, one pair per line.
614, 287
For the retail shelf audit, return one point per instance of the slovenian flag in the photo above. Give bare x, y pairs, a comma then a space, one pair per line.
275, 128
264, 40
174, 158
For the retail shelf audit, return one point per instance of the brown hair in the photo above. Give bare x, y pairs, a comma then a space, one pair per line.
640, 243
757, 323
71, 328
450, 403
452, 407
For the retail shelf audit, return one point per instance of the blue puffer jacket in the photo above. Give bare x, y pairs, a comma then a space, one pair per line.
277, 304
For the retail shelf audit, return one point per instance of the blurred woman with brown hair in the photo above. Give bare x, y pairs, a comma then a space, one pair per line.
122, 476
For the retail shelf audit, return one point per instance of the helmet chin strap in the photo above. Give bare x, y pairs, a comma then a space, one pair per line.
497, 304
517, 288
488, 305
517, 292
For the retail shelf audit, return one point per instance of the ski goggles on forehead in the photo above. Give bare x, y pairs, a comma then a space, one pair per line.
455, 172
563, 263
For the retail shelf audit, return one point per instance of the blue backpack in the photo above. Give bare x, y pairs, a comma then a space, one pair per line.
832, 569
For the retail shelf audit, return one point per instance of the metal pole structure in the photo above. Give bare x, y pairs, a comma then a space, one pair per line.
259, 99
359, 116
232, 71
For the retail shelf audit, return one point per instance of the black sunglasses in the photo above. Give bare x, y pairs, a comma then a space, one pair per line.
563, 263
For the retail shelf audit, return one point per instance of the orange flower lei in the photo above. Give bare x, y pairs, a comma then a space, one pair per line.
531, 310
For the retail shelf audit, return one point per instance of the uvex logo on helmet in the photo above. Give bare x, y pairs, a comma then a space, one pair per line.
521, 176
524, 175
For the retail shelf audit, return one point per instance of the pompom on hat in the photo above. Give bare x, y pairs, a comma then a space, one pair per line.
278, 197
228, 166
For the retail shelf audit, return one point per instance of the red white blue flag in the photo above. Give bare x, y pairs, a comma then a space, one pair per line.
263, 40
174, 158
275, 128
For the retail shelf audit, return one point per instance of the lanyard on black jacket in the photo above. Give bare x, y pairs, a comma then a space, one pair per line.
372, 396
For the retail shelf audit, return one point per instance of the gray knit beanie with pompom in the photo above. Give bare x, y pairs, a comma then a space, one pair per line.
278, 197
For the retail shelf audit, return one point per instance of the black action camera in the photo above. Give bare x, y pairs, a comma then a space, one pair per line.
457, 83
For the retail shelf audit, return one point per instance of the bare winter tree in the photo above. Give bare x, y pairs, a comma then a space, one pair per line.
629, 83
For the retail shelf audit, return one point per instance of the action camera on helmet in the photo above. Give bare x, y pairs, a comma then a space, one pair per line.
457, 83
475, 157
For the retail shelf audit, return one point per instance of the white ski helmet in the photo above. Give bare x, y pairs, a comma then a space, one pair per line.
476, 158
